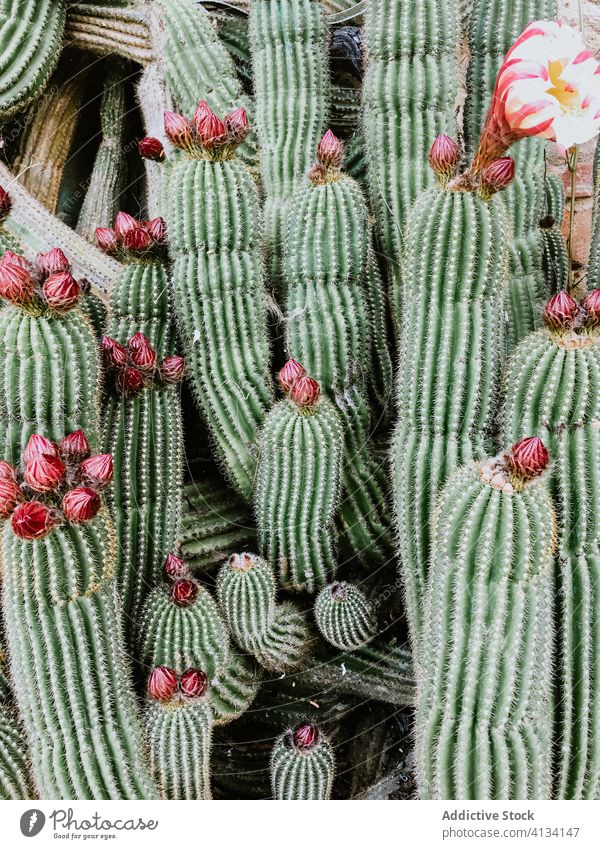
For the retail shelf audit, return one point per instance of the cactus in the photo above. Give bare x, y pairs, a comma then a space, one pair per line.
483, 728
593, 275
344, 616
15, 780
110, 29
302, 765
219, 292
555, 258
288, 40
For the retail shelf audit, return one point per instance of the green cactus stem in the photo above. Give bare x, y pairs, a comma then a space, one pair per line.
593, 275
302, 765
555, 257
344, 616
110, 29
15, 779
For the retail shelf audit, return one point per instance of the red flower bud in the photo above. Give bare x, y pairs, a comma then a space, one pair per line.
162, 684
15, 259
43, 473
5, 203
175, 567
184, 591
193, 683
39, 445
137, 241
16, 284
496, 176
528, 457
211, 130
151, 148
10, 496
106, 239
172, 369
130, 381
330, 151
306, 736
125, 223
52, 262
98, 468
115, 354
33, 520
289, 374
7, 472
156, 229
61, 291
561, 311
75, 446
444, 157
178, 130
80, 504
591, 305
305, 391
237, 125
141, 352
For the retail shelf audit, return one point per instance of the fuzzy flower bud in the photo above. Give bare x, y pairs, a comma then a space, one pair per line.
241, 562
178, 130
237, 125
98, 469
289, 374
172, 369
141, 352
162, 684
80, 504
156, 229
591, 305
193, 683
130, 381
16, 284
125, 223
496, 176
74, 447
151, 148
211, 131
175, 567
305, 736
7, 472
184, 592
106, 239
444, 157
33, 520
330, 151
15, 259
38, 445
44, 472
5, 203
137, 240
115, 354
305, 391
10, 496
528, 458
561, 311
52, 262
61, 291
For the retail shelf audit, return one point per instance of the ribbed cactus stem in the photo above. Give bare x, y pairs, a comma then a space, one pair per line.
593, 276
302, 765
15, 778
344, 616
555, 257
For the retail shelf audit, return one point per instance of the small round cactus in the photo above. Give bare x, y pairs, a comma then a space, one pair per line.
302, 765
344, 616
246, 592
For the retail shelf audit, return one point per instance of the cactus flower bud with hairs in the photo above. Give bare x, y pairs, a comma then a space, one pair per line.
184, 591
330, 151
178, 130
7, 472
156, 229
33, 520
141, 353
289, 374
176, 567
16, 259
561, 311
10, 496
172, 369
137, 240
528, 458
305, 391
130, 380
162, 684
305, 736
61, 291
43, 473
496, 176
193, 683
212, 132
237, 125
591, 306
125, 223
444, 157
16, 284
75, 447
37, 445
115, 354
52, 262
5, 203
80, 504
98, 468
152, 148
106, 239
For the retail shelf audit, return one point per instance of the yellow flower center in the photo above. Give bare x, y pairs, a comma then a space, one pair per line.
568, 99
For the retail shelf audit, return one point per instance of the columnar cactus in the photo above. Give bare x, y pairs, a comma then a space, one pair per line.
484, 719
555, 257
298, 484
344, 616
291, 84
552, 390
594, 259
215, 240
15, 780
142, 421
302, 765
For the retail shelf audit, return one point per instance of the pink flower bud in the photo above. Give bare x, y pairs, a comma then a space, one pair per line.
33, 520
5, 203
130, 381
178, 130
184, 591
591, 305
162, 684
7, 472
561, 311
305, 391
16, 284
175, 567
241, 562
212, 132
306, 736
237, 125
61, 291
98, 469
10, 496
15, 259
115, 354
43, 473
444, 157
330, 151
141, 352
52, 262
172, 369
75, 447
38, 445
193, 683
151, 148
156, 229
137, 240
125, 223
80, 504
289, 374
528, 458
496, 176
106, 239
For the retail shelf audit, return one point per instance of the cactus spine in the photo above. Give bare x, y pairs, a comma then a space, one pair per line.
555, 257
302, 765
15, 781
344, 616
484, 718
593, 275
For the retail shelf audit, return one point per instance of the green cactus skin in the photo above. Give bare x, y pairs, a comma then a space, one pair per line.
15, 779
39, 393
144, 434
555, 257
194, 58
221, 305
30, 33
301, 775
8, 242
180, 738
291, 84
452, 344
484, 721
409, 91
593, 274
5, 689
94, 309
297, 492
68, 664
380, 377
285, 646
345, 616
553, 390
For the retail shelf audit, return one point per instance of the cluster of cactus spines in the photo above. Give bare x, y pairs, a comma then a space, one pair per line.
219, 286
31, 32
298, 483
451, 350
142, 418
41, 330
593, 273
291, 84
345, 616
302, 765
555, 257
410, 87
484, 720
179, 731
15, 779
552, 390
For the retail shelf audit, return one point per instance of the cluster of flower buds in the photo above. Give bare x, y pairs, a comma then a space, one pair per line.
565, 317
184, 589
132, 238
205, 137
45, 285
303, 739
58, 483
166, 685
330, 153
510, 471
298, 386
136, 365
444, 158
